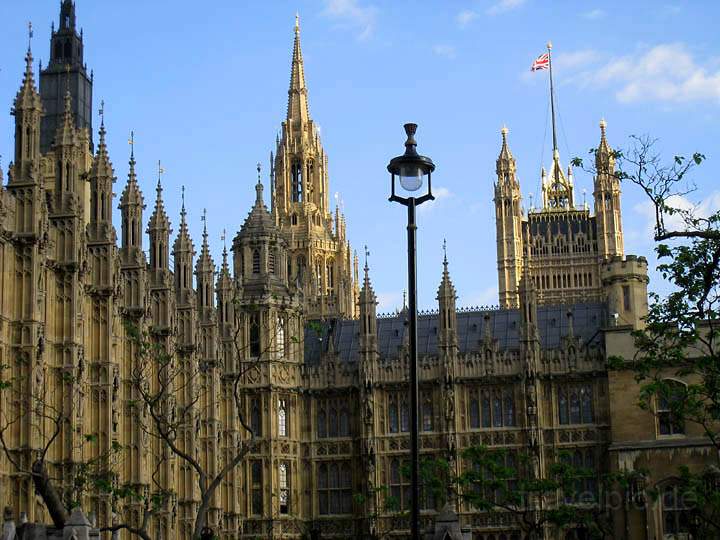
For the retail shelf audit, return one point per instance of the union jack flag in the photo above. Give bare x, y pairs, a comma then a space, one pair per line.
541, 62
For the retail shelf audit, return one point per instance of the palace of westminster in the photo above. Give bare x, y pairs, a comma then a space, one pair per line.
322, 378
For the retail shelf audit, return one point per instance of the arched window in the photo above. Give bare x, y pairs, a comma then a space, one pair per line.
58, 50
562, 407
284, 488
427, 414
68, 177
68, 47
28, 143
282, 418
257, 488
670, 396
300, 272
297, 181
321, 424
497, 411
404, 416
393, 416
255, 335
280, 337
486, 411
332, 423
271, 260
344, 423
293, 219
318, 274
334, 488
509, 409
330, 275
256, 418
586, 404
256, 261
474, 412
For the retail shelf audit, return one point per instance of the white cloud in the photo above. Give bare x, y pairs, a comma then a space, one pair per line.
576, 59
504, 5
703, 209
389, 302
666, 73
484, 297
448, 51
594, 14
440, 194
465, 17
352, 14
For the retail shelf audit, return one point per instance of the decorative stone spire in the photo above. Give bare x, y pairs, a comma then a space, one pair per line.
183, 250
102, 178
297, 110
159, 230
505, 164
66, 134
28, 97
368, 311
446, 297
27, 110
604, 159
205, 271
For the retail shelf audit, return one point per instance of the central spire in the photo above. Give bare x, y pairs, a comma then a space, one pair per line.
297, 109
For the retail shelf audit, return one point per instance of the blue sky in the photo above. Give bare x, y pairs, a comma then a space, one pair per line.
204, 87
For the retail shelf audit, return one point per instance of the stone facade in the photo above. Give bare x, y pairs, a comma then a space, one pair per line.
323, 382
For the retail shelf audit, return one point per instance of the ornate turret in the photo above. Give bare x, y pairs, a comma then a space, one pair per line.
447, 315
508, 223
368, 313
297, 109
260, 250
318, 254
205, 274
131, 209
27, 110
66, 70
607, 201
159, 232
102, 177
183, 253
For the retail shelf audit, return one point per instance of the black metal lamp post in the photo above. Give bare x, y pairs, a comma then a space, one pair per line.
411, 170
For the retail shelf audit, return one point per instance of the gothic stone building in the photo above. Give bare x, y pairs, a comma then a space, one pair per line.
324, 376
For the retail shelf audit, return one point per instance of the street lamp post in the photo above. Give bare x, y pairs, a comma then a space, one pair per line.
411, 170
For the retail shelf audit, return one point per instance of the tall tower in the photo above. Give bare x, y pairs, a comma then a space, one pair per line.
319, 254
66, 71
508, 223
607, 201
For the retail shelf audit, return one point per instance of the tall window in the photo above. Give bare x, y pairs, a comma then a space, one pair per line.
297, 182
333, 419
280, 336
284, 488
329, 272
334, 488
399, 485
675, 514
282, 418
256, 261
318, 275
584, 489
257, 488
669, 422
427, 414
321, 424
271, 260
575, 404
256, 417
398, 414
492, 408
488, 487
626, 297
255, 335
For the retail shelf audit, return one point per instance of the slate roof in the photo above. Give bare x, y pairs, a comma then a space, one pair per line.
553, 325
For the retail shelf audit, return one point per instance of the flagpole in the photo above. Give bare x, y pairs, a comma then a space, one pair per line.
552, 98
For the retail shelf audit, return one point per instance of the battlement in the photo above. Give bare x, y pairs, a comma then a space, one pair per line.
619, 267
